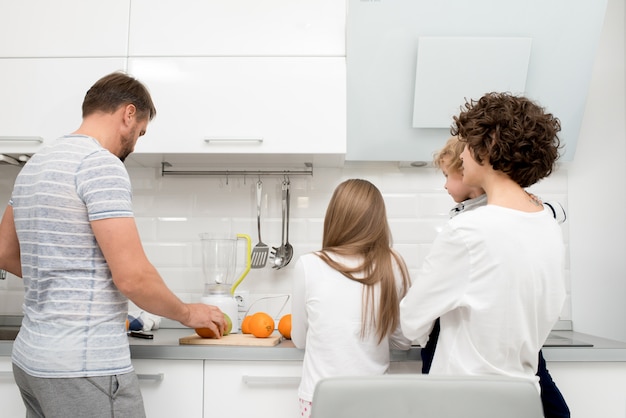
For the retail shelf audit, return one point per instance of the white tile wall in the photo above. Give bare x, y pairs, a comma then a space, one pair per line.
172, 211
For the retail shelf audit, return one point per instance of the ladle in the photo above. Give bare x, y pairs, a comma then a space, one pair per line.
288, 246
279, 253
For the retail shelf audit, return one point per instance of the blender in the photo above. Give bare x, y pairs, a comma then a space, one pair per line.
219, 267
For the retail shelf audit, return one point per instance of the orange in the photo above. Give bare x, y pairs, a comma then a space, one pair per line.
245, 324
284, 326
261, 325
205, 333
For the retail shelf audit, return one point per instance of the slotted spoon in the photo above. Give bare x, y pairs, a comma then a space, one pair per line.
261, 250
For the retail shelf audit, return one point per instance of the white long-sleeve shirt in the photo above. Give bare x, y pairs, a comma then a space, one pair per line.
326, 321
498, 294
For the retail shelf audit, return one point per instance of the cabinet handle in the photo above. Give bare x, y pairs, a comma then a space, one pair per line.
6, 375
228, 140
21, 139
271, 380
157, 377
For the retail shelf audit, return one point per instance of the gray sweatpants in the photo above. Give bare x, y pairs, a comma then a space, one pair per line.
115, 396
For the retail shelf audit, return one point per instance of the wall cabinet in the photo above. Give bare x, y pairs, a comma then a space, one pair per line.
237, 28
244, 105
260, 389
69, 28
42, 98
171, 388
12, 405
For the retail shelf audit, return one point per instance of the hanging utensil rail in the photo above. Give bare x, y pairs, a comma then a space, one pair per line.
167, 170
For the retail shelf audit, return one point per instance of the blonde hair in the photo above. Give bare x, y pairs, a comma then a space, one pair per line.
356, 225
452, 152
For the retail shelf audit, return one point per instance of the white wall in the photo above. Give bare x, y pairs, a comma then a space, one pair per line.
172, 211
597, 193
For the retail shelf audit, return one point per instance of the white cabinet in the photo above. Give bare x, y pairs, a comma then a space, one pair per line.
171, 388
42, 98
12, 405
244, 105
237, 28
592, 389
68, 28
260, 389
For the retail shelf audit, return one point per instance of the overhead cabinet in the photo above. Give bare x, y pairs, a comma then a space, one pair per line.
68, 28
237, 28
42, 98
253, 82
238, 77
247, 105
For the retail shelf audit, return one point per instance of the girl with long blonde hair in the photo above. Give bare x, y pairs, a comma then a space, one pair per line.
345, 309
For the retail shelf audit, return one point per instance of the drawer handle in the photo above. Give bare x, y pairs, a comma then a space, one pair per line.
229, 140
271, 380
21, 139
157, 377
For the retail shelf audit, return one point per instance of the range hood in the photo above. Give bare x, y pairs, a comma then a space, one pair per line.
412, 63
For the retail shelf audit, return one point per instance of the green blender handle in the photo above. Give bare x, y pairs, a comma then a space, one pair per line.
248, 262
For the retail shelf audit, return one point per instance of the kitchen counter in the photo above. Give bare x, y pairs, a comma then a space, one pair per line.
560, 346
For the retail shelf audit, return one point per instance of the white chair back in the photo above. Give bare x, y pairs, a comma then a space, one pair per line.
426, 396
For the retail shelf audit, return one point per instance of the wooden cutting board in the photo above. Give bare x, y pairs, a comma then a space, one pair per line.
233, 339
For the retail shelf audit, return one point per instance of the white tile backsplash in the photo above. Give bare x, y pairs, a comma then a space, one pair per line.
171, 212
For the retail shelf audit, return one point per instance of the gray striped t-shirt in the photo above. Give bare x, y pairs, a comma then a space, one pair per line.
74, 316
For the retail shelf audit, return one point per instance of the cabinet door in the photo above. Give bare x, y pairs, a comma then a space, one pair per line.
244, 105
171, 388
68, 28
260, 389
42, 98
12, 405
237, 28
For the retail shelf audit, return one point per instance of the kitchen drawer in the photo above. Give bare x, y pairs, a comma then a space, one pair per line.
237, 28
171, 388
12, 405
260, 389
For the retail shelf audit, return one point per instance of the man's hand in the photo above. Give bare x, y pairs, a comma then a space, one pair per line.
206, 316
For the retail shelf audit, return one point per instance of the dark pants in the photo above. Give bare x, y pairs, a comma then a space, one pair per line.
554, 405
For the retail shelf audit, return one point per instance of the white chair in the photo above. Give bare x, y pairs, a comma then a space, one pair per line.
426, 396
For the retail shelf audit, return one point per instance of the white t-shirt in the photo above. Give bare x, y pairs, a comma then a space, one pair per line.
326, 321
495, 278
74, 315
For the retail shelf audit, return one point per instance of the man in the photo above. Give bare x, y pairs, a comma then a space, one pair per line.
69, 232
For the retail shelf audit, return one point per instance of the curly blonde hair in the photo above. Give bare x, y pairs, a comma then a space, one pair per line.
449, 157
